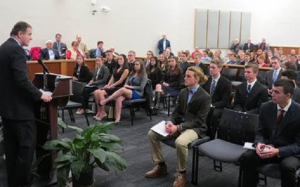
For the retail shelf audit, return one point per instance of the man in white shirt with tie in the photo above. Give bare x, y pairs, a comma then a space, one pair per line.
59, 46
163, 44
49, 53
274, 74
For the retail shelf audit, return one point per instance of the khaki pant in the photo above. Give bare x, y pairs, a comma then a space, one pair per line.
181, 143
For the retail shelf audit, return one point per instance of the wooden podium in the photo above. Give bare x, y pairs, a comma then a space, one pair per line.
46, 114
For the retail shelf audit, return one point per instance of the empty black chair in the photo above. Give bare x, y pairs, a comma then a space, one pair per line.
144, 102
229, 73
234, 130
76, 101
240, 79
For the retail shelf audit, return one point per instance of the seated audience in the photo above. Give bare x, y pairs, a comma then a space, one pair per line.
168, 53
236, 46
100, 78
81, 71
82, 45
292, 75
131, 60
247, 59
147, 60
261, 62
112, 49
197, 50
179, 54
99, 51
154, 72
110, 62
205, 57
249, 46
277, 139
289, 66
198, 63
164, 64
293, 59
184, 64
60, 46
251, 94
133, 89
218, 54
274, 74
74, 51
232, 59
188, 123
170, 83
49, 53
219, 89
117, 81
263, 45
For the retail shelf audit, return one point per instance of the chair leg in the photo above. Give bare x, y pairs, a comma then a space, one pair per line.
63, 114
131, 114
218, 167
195, 163
86, 117
169, 105
71, 115
240, 177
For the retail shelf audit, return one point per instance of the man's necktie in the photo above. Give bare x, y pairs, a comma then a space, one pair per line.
191, 93
249, 88
274, 76
280, 117
212, 88
58, 48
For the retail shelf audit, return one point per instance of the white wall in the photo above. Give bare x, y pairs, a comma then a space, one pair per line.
138, 24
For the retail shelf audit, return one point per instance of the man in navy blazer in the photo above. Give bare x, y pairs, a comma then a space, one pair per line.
163, 44
277, 139
49, 53
17, 99
99, 51
249, 46
250, 94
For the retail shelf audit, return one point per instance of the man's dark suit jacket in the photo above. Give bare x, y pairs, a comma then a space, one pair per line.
222, 94
160, 45
45, 54
251, 103
204, 68
17, 93
63, 47
103, 76
287, 136
184, 66
269, 77
93, 53
194, 113
111, 66
250, 49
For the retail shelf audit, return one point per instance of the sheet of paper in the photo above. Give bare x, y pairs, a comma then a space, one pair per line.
46, 92
160, 128
248, 145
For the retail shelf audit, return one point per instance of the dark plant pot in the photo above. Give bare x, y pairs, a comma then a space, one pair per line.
85, 179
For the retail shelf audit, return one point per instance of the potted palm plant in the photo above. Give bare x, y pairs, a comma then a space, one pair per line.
90, 148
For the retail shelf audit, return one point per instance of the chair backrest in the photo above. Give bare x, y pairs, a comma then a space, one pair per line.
229, 73
241, 76
77, 88
148, 92
237, 127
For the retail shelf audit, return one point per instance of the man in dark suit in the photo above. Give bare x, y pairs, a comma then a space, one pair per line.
250, 94
292, 75
60, 46
248, 47
163, 44
274, 74
49, 53
110, 62
131, 60
147, 60
99, 51
17, 98
263, 45
184, 63
219, 89
277, 139
188, 123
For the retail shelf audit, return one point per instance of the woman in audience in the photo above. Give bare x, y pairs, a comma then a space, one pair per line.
153, 72
116, 82
100, 77
133, 89
261, 62
170, 83
74, 51
81, 71
164, 64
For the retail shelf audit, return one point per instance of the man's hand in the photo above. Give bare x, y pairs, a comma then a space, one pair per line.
75, 79
270, 91
165, 84
46, 97
266, 151
171, 129
91, 82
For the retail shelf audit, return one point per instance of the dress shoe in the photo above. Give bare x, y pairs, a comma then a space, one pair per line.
180, 180
157, 171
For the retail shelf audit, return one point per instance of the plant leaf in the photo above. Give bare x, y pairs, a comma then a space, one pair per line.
111, 146
54, 145
116, 161
99, 154
77, 167
64, 158
75, 128
62, 175
61, 123
109, 137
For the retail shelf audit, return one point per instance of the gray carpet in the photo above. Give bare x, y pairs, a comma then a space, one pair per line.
137, 154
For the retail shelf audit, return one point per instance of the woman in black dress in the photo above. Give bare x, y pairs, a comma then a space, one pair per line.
154, 72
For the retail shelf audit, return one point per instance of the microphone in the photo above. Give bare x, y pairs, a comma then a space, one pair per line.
44, 66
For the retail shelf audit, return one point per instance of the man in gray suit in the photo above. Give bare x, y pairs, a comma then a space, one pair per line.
60, 46
236, 46
292, 75
274, 74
